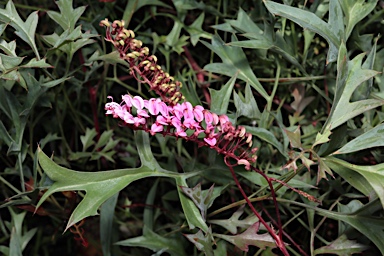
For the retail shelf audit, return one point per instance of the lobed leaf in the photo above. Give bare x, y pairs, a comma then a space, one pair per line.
341, 246
220, 98
155, 242
350, 75
25, 30
250, 237
234, 62
373, 174
370, 139
309, 21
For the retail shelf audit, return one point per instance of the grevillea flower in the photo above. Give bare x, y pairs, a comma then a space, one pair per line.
169, 116
193, 123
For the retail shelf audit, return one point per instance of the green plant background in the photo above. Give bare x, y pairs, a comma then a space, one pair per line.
304, 77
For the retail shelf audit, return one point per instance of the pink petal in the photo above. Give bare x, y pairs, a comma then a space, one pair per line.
198, 113
127, 99
138, 102
210, 141
156, 128
152, 106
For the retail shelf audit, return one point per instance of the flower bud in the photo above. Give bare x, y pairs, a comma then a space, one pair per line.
244, 162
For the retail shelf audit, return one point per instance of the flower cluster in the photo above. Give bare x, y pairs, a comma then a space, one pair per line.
183, 120
143, 66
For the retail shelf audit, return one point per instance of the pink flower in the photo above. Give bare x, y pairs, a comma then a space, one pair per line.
138, 120
156, 128
153, 106
138, 102
198, 113
128, 100
142, 113
163, 120
210, 141
223, 119
190, 123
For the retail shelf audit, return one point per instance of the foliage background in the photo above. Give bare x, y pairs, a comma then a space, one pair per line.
292, 88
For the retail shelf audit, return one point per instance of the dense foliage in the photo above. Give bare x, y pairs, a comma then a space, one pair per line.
233, 127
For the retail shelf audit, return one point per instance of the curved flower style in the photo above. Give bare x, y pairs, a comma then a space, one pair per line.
142, 65
185, 121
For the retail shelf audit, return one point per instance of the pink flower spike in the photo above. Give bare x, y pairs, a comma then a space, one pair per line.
210, 141
127, 99
138, 102
156, 128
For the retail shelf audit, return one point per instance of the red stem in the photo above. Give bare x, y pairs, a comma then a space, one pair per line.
277, 238
92, 92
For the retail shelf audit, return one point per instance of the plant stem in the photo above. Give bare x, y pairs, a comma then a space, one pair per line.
279, 242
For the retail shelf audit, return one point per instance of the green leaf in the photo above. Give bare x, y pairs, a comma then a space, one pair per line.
294, 137
87, 139
202, 242
195, 30
104, 138
34, 63
191, 212
155, 242
342, 246
368, 225
309, 21
370, 139
68, 16
355, 11
201, 200
8, 48
267, 136
374, 174
25, 30
220, 98
322, 138
233, 223
267, 39
246, 106
250, 237
100, 186
112, 58
349, 76
322, 169
234, 62
107, 215
19, 113
19, 238
9, 62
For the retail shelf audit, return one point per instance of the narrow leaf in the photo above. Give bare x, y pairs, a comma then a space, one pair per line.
370, 139
234, 62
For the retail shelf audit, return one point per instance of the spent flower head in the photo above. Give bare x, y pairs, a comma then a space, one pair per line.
143, 66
